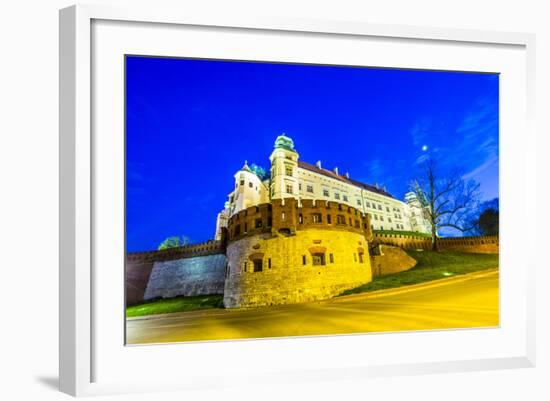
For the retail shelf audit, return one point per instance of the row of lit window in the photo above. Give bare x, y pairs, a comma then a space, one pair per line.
318, 218
315, 218
326, 193
309, 188
379, 207
375, 206
317, 259
399, 226
257, 224
377, 217
250, 184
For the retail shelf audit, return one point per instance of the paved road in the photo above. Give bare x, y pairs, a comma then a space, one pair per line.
472, 302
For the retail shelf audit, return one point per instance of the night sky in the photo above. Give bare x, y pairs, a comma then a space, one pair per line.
191, 124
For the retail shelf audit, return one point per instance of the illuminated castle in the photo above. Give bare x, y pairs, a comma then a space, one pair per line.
292, 178
302, 233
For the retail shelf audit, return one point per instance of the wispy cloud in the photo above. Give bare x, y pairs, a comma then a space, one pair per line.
470, 146
490, 161
135, 180
376, 169
420, 131
133, 175
477, 119
477, 135
422, 158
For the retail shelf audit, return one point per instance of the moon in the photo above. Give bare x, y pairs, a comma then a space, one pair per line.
424, 148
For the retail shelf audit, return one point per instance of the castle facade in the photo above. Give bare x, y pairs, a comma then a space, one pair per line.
291, 178
302, 234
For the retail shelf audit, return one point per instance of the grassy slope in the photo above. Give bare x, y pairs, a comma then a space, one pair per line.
431, 266
399, 232
177, 304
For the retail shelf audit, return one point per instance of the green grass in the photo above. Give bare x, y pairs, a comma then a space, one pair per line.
176, 304
398, 232
431, 266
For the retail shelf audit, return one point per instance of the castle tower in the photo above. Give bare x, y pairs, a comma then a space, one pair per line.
417, 214
248, 189
284, 165
221, 221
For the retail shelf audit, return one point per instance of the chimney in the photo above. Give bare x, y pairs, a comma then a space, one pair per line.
376, 185
335, 170
347, 175
318, 164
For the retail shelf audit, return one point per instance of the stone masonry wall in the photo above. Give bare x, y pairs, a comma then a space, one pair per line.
284, 277
140, 264
387, 259
201, 275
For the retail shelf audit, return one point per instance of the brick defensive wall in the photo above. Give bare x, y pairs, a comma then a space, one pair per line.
289, 216
482, 244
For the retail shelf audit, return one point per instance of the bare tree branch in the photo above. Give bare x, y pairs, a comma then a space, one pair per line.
446, 201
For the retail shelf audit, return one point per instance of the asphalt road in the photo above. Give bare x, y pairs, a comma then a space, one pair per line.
455, 303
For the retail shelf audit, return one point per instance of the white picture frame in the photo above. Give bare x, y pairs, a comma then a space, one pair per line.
78, 371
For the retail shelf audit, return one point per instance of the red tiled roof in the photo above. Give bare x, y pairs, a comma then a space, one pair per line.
332, 174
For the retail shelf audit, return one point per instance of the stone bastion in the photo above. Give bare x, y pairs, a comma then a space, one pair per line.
290, 252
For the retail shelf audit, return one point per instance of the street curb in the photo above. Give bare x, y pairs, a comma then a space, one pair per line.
414, 287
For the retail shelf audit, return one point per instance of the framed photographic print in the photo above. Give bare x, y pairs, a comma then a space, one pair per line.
265, 189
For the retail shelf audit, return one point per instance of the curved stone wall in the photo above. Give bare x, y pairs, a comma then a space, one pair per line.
308, 265
388, 259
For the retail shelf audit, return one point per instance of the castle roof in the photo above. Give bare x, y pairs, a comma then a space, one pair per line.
284, 142
245, 167
332, 174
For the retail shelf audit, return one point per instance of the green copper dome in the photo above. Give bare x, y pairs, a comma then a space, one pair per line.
284, 142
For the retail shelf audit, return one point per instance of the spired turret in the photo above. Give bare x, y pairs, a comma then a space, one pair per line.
284, 164
249, 189
245, 167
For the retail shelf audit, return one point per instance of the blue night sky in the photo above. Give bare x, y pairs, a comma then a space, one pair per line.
191, 124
